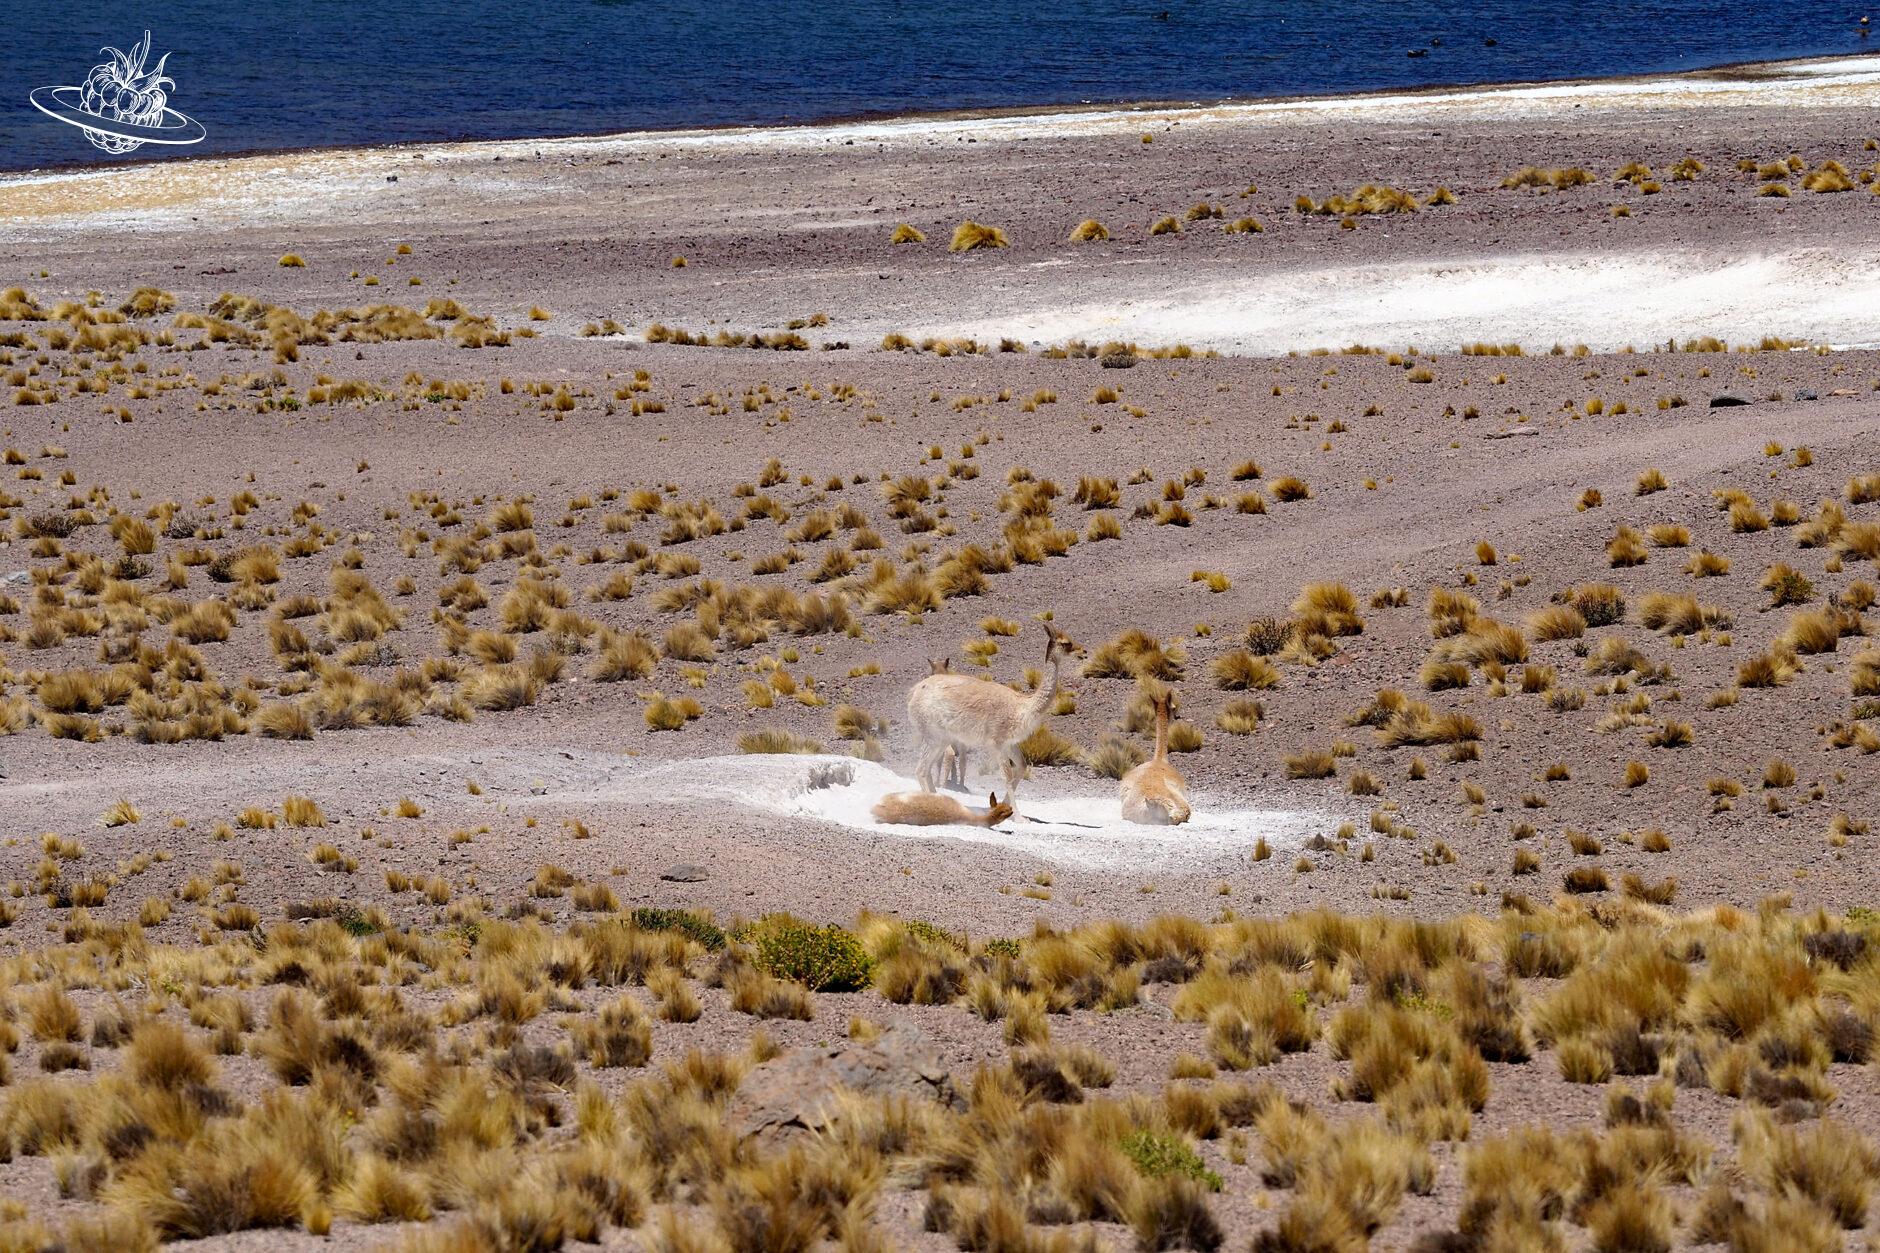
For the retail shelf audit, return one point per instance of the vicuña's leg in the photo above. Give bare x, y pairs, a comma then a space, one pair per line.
1014, 771
929, 762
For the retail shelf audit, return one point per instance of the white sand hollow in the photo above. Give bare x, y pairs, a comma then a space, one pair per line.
1086, 829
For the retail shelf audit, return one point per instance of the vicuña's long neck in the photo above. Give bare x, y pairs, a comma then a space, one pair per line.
1161, 732
1040, 703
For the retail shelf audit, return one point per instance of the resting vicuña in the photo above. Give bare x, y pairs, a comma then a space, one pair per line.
1153, 793
931, 809
976, 715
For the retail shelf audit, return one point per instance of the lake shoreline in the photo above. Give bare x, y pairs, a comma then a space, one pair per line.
1755, 72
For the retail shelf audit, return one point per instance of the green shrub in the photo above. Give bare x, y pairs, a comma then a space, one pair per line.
693, 926
355, 923
1158, 1155
822, 959
921, 929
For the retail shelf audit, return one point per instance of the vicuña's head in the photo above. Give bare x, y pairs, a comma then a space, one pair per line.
940, 665
1059, 644
996, 809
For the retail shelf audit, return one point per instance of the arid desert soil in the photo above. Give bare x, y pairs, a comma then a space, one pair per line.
392, 597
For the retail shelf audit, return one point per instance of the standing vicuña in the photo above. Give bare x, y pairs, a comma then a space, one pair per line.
975, 715
930, 809
1153, 793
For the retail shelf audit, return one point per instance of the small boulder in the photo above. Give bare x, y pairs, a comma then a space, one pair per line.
1727, 400
800, 1090
685, 872
1805, 393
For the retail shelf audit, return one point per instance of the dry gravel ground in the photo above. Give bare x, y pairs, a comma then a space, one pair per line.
1413, 462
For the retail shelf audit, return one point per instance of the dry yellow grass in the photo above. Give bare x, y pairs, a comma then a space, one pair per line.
970, 235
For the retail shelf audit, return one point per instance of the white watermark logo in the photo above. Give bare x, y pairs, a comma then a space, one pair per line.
121, 106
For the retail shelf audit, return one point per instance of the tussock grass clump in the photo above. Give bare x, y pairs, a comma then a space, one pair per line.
1089, 231
1830, 176
1045, 747
1096, 493
1626, 548
1311, 763
969, 235
1371, 198
1136, 654
1243, 671
1599, 604
1556, 179
772, 740
1556, 622
1864, 674
1115, 757
1585, 879
1327, 609
1787, 586
1679, 614
1240, 717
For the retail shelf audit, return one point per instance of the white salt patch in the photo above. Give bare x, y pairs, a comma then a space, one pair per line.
1606, 301
1080, 830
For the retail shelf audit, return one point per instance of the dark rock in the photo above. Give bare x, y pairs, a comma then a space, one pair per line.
1727, 400
1806, 393
685, 872
799, 1091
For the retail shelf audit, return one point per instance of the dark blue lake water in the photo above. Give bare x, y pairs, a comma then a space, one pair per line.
270, 75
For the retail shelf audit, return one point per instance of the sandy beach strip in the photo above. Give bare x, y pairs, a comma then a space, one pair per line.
333, 183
